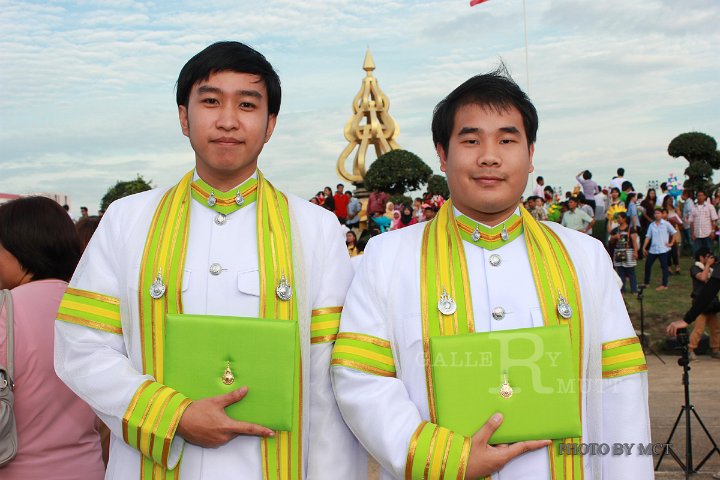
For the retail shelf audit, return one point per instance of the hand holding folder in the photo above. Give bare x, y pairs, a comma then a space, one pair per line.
205, 422
487, 459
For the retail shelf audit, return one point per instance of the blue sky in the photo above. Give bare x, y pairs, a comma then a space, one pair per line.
88, 87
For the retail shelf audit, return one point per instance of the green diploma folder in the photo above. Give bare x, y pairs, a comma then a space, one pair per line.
208, 355
528, 375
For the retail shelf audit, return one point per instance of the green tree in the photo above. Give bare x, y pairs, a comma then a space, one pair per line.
397, 172
700, 150
123, 189
437, 185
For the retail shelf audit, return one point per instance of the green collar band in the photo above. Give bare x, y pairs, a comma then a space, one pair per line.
489, 238
224, 202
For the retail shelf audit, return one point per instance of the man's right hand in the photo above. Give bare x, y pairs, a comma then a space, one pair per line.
205, 422
487, 459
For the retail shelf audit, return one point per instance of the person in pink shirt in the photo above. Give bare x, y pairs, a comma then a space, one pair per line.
57, 436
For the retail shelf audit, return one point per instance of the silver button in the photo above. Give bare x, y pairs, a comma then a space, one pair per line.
498, 313
495, 260
215, 269
220, 219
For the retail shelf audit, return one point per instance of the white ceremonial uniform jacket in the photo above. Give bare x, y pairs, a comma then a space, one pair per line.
105, 369
384, 301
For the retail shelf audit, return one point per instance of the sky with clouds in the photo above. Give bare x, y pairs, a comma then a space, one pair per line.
88, 86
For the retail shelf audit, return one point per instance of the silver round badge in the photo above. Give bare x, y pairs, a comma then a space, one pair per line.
446, 305
283, 290
495, 260
220, 219
157, 288
565, 310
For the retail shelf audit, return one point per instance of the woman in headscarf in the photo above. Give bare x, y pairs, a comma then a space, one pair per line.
406, 217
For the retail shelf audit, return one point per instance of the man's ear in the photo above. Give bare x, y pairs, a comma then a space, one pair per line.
531, 150
184, 123
272, 121
443, 157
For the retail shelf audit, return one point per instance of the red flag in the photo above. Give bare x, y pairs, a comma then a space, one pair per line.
476, 2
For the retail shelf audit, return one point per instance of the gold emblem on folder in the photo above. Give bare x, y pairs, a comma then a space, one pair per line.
228, 378
506, 390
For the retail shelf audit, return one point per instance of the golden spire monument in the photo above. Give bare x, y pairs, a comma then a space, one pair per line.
370, 124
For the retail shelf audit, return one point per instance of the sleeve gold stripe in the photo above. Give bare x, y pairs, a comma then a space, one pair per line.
325, 311
620, 343
365, 338
92, 295
436, 452
624, 371
323, 339
361, 366
151, 419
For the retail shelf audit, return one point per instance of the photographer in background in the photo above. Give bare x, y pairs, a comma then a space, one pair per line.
706, 284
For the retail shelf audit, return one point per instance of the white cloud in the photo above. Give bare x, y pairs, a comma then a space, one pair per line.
89, 86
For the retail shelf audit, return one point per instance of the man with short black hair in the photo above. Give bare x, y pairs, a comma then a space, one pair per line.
222, 242
659, 239
485, 265
353, 212
577, 219
702, 223
341, 204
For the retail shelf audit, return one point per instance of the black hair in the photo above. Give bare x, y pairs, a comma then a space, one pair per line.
587, 175
340, 185
614, 189
625, 185
539, 179
620, 172
573, 199
548, 188
621, 215
495, 90
229, 56
702, 252
630, 196
41, 236
663, 186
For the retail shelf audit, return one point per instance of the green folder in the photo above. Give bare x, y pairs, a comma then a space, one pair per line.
258, 353
533, 367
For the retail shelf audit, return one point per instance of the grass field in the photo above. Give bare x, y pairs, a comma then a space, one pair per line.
662, 307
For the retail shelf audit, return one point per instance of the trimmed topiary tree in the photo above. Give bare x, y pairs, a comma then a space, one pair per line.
123, 189
397, 172
700, 150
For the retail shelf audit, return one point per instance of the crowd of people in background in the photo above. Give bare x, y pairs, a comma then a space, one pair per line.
383, 215
633, 225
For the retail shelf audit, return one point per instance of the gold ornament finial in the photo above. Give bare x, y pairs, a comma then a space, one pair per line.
369, 125
368, 64
228, 378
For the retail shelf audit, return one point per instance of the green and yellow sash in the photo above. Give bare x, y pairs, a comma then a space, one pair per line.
444, 268
164, 256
